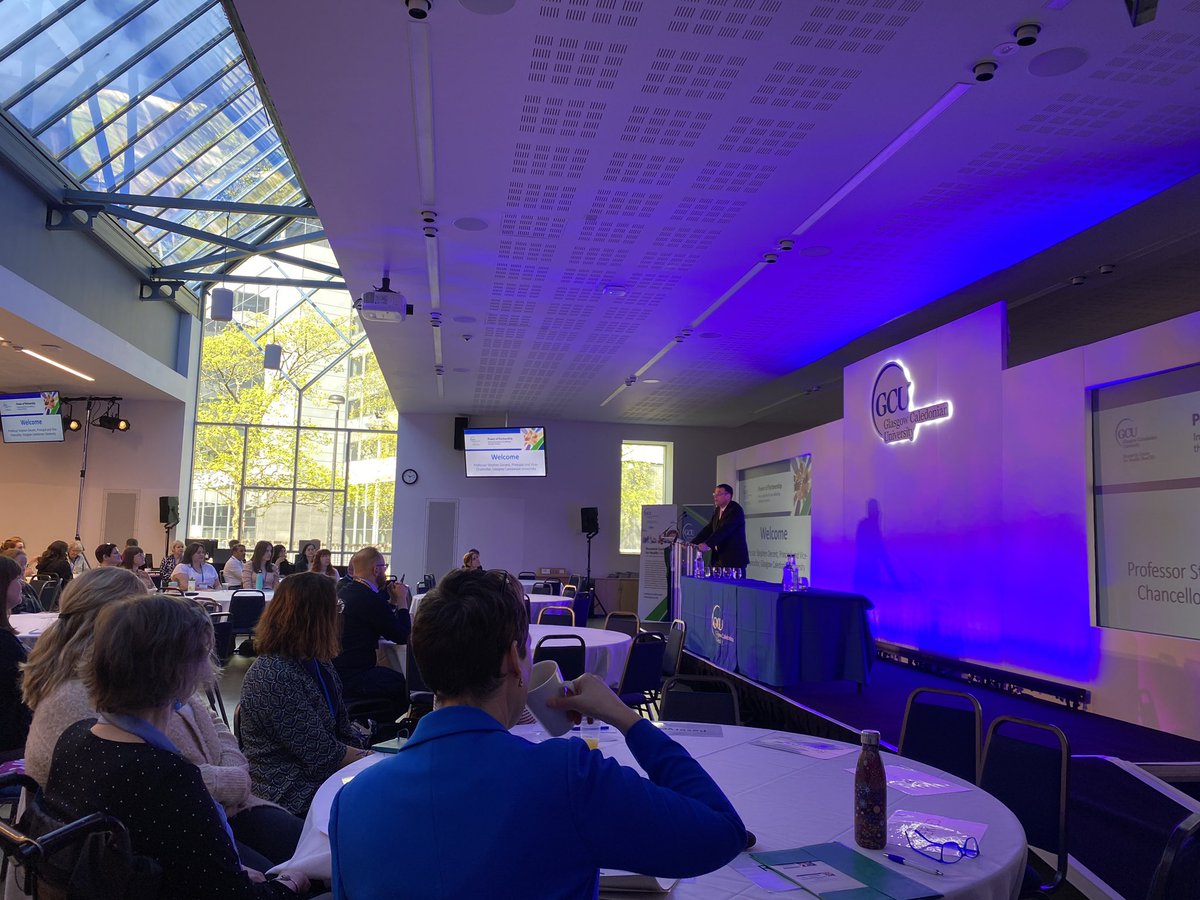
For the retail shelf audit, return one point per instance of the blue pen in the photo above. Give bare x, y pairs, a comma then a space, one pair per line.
897, 858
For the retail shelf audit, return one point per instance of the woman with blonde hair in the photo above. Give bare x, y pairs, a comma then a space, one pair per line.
53, 689
169, 564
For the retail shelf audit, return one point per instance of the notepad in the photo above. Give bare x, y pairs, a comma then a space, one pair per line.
875, 882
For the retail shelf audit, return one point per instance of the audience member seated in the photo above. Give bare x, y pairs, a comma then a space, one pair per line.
13, 543
323, 565
30, 601
14, 715
195, 568
306, 557
261, 563
294, 727
77, 557
471, 559
51, 685
231, 573
374, 608
54, 562
108, 555
462, 773
279, 558
172, 560
148, 651
266, 834
134, 560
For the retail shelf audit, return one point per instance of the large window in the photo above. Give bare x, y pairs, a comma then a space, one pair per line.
305, 452
645, 481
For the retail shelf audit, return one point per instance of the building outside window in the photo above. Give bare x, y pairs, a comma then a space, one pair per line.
646, 478
273, 448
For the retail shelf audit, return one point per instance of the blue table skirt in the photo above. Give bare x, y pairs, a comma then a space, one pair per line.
776, 637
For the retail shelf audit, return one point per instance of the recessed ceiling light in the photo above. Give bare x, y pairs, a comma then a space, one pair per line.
470, 223
57, 365
616, 290
651, 381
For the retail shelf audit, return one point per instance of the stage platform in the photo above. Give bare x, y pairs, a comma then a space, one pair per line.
839, 710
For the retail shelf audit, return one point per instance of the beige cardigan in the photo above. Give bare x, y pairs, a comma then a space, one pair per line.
195, 729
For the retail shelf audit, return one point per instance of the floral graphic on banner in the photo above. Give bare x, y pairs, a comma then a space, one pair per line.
802, 484
533, 438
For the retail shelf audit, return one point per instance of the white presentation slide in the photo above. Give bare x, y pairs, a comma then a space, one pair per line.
1146, 462
777, 499
31, 418
505, 452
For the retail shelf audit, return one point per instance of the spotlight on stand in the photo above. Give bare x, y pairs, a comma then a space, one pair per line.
70, 423
110, 421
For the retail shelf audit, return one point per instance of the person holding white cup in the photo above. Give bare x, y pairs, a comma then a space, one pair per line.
462, 773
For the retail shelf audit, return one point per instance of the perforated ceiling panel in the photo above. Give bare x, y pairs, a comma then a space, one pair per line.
626, 168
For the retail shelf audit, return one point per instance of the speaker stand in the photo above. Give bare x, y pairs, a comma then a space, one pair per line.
587, 580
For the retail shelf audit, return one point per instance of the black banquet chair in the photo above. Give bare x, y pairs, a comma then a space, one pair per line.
90, 856
1027, 766
1134, 831
568, 650
245, 609
624, 622
943, 728
700, 698
643, 670
556, 615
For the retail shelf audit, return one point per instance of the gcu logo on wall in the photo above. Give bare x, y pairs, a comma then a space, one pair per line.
1127, 433
896, 416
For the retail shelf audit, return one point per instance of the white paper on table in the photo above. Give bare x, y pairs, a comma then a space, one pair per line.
818, 877
918, 784
938, 829
817, 749
763, 876
620, 880
690, 729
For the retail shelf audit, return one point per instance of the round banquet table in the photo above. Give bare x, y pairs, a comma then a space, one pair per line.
605, 651
224, 596
537, 602
29, 626
788, 800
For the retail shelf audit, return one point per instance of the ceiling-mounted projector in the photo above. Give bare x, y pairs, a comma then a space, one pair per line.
383, 304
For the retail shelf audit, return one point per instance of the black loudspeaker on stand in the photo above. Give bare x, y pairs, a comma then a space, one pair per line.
589, 521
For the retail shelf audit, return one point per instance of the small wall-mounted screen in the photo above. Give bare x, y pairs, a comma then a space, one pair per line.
505, 452
31, 418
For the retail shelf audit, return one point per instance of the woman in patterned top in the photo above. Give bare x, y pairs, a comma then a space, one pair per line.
169, 564
295, 731
149, 651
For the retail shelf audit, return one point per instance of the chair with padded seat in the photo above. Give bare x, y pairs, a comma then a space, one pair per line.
245, 609
568, 650
643, 669
1134, 831
699, 698
541, 587
944, 729
556, 615
526, 576
1027, 767
624, 622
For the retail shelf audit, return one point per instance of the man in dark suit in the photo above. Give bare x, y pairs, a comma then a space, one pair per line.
374, 608
725, 534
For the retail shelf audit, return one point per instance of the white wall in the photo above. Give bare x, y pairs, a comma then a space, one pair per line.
985, 523
523, 523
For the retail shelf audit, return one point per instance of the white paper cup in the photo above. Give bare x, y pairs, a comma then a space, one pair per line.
545, 681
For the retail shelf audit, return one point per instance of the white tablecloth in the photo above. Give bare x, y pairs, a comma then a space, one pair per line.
29, 626
606, 651
537, 602
788, 801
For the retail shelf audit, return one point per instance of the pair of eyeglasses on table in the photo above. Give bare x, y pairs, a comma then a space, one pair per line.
946, 852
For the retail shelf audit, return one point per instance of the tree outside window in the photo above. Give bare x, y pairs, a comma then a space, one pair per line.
645, 481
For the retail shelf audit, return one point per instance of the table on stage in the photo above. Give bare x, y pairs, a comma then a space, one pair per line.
777, 637
788, 800
605, 652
